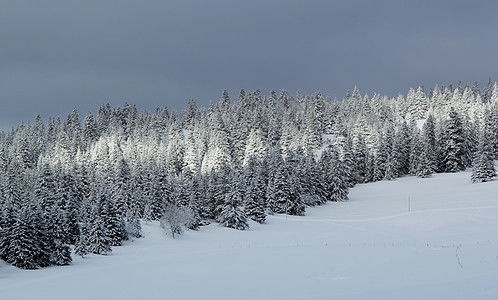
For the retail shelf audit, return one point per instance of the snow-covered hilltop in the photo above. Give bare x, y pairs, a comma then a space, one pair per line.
84, 187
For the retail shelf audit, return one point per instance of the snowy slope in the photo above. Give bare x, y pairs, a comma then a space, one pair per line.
372, 247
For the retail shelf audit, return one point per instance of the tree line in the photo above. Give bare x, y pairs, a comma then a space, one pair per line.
71, 186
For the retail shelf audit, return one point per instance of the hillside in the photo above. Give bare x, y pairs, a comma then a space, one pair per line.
445, 247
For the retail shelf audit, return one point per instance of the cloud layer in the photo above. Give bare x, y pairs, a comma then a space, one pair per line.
60, 55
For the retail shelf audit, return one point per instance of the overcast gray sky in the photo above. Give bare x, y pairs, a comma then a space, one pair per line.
57, 55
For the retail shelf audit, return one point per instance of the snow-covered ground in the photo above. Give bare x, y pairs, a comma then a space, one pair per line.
372, 247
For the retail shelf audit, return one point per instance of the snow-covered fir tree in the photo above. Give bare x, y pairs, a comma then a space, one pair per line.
283, 192
231, 213
483, 166
335, 182
453, 143
254, 197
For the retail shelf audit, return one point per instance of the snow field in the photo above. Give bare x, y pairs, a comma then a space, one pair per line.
372, 247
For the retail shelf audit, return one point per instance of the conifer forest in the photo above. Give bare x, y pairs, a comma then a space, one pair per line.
83, 184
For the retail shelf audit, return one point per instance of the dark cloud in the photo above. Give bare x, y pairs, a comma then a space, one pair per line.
60, 54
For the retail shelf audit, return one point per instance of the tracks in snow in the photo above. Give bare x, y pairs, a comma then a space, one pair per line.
369, 218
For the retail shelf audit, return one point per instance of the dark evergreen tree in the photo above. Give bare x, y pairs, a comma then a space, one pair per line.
487, 92
175, 150
400, 149
369, 168
70, 200
491, 127
98, 241
381, 158
133, 226
111, 219
46, 189
483, 168
416, 149
27, 247
453, 144
349, 163
208, 207
156, 200
360, 156
61, 252
334, 177
254, 197
424, 167
429, 150
391, 171
254, 201
90, 132
23, 246
310, 181
231, 214
121, 191
283, 192
104, 118
82, 245
221, 181
7, 220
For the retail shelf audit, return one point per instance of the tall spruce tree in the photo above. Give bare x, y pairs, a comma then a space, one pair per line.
231, 214
334, 177
98, 241
283, 193
254, 197
483, 168
58, 233
429, 150
453, 143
